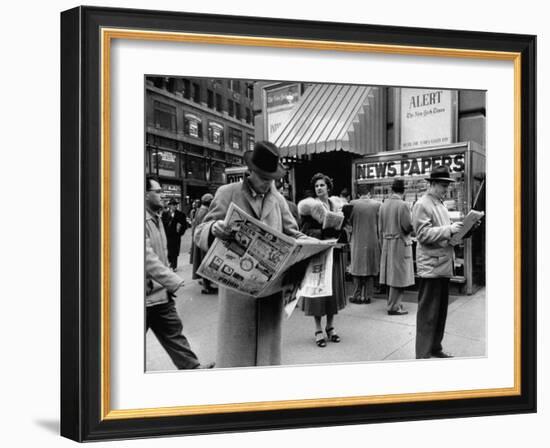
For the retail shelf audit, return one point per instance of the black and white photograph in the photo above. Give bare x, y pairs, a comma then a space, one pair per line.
290, 223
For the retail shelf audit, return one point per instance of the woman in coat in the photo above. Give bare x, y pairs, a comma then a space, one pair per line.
312, 211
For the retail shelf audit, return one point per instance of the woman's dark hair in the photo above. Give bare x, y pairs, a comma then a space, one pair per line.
321, 176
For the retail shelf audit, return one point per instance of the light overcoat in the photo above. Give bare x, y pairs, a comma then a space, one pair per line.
249, 329
432, 225
395, 225
365, 244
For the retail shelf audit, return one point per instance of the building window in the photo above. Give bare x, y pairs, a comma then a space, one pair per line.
210, 99
230, 107
164, 116
250, 91
235, 139
238, 115
235, 85
248, 115
215, 133
219, 105
192, 126
186, 89
249, 142
196, 93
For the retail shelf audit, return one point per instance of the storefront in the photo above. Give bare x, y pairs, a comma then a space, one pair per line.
467, 165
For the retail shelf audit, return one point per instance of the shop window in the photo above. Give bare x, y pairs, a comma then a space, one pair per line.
192, 126
217, 171
196, 168
215, 133
164, 116
164, 163
235, 139
210, 99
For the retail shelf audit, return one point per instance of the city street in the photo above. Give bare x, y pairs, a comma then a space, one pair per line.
368, 333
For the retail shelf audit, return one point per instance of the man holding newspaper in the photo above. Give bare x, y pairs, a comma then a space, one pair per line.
249, 329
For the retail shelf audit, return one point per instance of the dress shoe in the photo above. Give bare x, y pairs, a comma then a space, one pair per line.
398, 312
367, 301
209, 291
441, 354
209, 365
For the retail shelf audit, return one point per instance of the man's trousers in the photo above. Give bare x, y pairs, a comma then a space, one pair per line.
433, 301
163, 319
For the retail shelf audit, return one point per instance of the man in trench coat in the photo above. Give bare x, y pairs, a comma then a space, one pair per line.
396, 263
434, 263
249, 329
365, 247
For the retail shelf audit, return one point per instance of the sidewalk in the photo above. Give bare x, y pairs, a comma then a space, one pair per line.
368, 333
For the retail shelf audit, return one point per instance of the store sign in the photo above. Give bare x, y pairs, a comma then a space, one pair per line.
407, 167
426, 117
280, 103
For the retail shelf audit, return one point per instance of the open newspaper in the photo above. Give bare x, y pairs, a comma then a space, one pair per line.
255, 260
470, 221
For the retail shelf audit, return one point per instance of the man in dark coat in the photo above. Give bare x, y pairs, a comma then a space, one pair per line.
396, 263
175, 224
434, 262
365, 247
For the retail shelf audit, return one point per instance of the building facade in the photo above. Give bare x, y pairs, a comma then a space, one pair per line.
196, 128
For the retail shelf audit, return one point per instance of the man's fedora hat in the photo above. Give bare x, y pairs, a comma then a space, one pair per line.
398, 185
440, 173
264, 159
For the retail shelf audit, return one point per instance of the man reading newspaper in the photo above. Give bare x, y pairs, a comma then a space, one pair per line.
249, 329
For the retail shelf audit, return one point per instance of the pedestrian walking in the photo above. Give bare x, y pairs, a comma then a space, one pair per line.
161, 286
198, 253
434, 261
175, 224
396, 264
249, 331
365, 247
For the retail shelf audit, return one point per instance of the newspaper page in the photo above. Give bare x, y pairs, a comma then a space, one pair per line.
254, 261
470, 220
317, 281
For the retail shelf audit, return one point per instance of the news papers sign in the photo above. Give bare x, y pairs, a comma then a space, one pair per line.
427, 117
407, 167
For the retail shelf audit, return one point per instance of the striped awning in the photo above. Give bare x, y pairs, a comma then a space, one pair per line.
334, 117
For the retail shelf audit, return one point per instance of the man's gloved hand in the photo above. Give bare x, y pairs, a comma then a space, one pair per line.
221, 231
456, 227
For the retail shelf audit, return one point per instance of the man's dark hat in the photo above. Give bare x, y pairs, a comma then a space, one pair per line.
264, 159
173, 202
398, 185
440, 173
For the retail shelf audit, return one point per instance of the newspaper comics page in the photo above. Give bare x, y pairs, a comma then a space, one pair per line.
253, 261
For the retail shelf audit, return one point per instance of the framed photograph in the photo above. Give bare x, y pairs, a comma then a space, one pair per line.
278, 224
